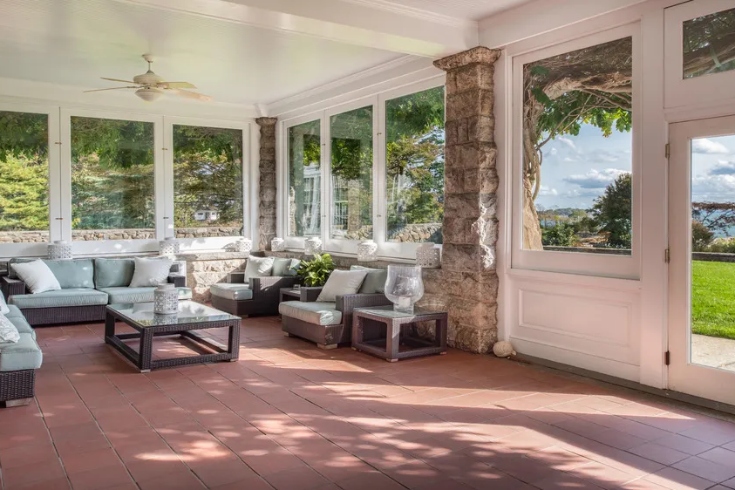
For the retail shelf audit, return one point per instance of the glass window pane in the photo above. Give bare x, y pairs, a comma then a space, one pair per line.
208, 194
577, 147
112, 179
304, 179
352, 174
415, 166
709, 44
24, 212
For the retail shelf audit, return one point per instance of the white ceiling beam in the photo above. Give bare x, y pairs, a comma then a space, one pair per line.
354, 22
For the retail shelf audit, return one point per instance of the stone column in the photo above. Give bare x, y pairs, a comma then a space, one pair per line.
267, 203
470, 209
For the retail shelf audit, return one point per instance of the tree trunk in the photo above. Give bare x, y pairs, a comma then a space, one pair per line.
531, 225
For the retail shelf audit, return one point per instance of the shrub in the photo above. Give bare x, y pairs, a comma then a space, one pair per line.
701, 236
559, 235
315, 272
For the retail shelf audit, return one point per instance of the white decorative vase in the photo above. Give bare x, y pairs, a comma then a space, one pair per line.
428, 255
313, 245
404, 287
166, 300
244, 245
59, 250
169, 246
278, 244
367, 251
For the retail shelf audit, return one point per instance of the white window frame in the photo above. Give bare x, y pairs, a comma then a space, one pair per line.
54, 189
706, 90
593, 264
248, 180
93, 247
291, 241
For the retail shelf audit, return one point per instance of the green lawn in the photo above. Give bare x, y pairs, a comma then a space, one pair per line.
713, 298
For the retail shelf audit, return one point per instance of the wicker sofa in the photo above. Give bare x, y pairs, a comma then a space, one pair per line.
88, 286
18, 362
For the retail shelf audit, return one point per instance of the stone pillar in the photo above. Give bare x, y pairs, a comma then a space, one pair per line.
470, 209
267, 203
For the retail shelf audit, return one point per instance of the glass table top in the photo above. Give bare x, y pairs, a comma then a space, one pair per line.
189, 312
389, 312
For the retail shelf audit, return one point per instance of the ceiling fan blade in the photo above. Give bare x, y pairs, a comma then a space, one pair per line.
113, 88
117, 80
176, 85
191, 95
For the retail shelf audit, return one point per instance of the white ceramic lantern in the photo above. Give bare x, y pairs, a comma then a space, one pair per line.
166, 299
59, 250
244, 245
313, 245
428, 255
278, 244
367, 251
169, 246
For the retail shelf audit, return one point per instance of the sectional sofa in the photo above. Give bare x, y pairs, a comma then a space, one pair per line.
87, 286
18, 362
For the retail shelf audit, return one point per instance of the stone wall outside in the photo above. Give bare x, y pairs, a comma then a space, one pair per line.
119, 234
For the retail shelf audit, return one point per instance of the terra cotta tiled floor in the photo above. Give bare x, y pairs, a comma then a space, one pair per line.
292, 417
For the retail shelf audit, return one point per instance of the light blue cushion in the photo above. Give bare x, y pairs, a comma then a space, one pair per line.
60, 298
77, 273
316, 313
285, 267
24, 354
231, 290
113, 273
21, 324
258, 267
138, 295
374, 280
14, 312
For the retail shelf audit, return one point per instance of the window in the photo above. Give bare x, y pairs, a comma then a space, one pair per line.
208, 181
577, 150
24, 178
415, 166
304, 179
112, 179
351, 136
709, 44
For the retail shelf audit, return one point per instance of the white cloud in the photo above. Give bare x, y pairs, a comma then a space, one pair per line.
546, 191
553, 151
595, 179
567, 159
723, 167
717, 188
708, 147
567, 142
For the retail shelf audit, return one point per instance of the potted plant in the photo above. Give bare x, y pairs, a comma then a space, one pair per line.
315, 272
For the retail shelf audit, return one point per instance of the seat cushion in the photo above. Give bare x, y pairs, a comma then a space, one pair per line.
113, 273
374, 280
20, 322
77, 273
62, 297
24, 354
231, 290
342, 282
138, 295
313, 312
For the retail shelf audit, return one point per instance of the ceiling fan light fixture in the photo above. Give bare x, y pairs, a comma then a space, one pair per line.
148, 94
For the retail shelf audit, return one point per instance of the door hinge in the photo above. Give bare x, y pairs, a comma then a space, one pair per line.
667, 150
667, 357
667, 256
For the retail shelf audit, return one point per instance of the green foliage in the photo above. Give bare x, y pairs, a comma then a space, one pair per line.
612, 212
559, 235
701, 236
713, 298
23, 135
23, 193
315, 272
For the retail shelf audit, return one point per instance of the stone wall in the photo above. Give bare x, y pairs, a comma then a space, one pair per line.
428, 232
119, 234
267, 167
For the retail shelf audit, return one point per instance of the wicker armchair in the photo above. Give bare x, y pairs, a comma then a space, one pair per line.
263, 294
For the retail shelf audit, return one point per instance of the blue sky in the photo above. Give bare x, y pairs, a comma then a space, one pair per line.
713, 169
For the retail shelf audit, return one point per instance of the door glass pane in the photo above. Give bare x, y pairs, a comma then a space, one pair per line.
713, 252
208, 195
112, 179
577, 150
352, 174
709, 44
24, 212
304, 179
414, 148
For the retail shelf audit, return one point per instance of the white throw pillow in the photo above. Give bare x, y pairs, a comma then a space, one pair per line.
258, 267
37, 276
341, 283
150, 272
4, 310
8, 332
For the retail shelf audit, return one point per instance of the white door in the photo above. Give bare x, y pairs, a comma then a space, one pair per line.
702, 258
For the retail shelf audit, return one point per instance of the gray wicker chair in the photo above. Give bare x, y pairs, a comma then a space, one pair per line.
265, 295
335, 334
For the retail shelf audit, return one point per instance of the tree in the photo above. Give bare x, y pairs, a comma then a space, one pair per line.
715, 216
612, 212
559, 235
701, 236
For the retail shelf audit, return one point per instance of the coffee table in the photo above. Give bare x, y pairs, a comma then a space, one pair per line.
397, 343
191, 316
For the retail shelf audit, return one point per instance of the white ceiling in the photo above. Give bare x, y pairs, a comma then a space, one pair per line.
461, 9
74, 42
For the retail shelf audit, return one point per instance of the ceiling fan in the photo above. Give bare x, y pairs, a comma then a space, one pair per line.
151, 86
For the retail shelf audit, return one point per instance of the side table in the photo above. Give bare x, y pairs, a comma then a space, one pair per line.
302, 294
398, 344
